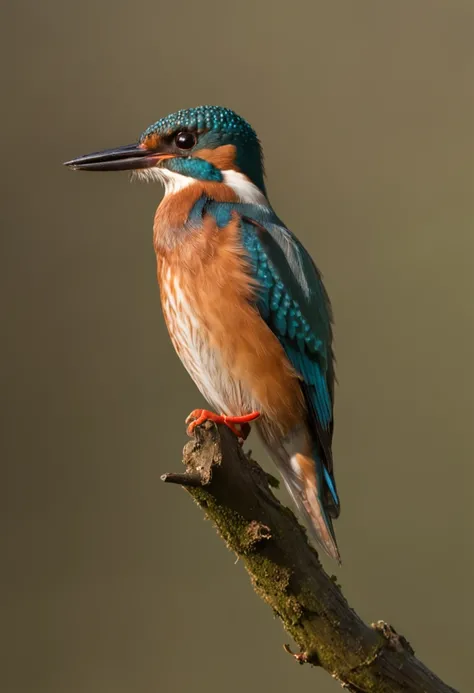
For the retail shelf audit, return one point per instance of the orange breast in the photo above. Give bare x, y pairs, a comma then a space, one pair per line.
233, 356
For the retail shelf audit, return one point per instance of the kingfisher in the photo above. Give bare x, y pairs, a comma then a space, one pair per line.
243, 301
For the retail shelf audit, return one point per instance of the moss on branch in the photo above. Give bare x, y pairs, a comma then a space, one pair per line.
235, 494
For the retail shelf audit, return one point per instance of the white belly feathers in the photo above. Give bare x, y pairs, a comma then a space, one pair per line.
193, 345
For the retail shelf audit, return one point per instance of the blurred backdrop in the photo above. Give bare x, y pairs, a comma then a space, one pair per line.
112, 581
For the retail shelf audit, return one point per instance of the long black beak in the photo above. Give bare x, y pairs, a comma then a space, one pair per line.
132, 156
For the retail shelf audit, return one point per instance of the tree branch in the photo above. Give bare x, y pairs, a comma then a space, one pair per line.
235, 494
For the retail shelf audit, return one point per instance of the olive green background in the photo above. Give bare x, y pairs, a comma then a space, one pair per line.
111, 581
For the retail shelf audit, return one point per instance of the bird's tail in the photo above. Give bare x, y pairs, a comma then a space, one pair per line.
311, 485
307, 482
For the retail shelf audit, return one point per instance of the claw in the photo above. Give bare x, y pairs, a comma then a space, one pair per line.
239, 425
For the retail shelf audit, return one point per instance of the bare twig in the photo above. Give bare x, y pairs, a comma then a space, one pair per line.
187, 479
234, 492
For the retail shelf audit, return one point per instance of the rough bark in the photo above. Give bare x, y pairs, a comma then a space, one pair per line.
235, 493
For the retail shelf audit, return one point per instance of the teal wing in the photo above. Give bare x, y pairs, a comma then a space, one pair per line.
293, 302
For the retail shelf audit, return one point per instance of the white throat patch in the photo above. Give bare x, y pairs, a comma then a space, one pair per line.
173, 182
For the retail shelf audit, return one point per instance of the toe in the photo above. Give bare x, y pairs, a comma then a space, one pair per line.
195, 414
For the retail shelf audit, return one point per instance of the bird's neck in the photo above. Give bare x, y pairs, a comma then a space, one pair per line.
173, 217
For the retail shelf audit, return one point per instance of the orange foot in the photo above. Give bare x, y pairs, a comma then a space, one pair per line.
237, 424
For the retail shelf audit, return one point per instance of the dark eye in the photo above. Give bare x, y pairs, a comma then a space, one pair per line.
185, 140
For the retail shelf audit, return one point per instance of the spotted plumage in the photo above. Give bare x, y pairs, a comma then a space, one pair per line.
210, 118
243, 301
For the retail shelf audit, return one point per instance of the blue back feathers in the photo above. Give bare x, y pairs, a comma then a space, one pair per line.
293, 302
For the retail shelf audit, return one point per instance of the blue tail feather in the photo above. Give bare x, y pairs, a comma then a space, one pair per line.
330, 483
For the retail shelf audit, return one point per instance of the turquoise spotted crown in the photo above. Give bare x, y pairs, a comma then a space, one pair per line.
215, 118
216, 126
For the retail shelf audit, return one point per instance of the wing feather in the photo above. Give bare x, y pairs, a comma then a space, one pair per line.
294, 303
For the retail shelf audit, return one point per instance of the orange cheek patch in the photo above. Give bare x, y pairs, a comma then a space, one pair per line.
221, 157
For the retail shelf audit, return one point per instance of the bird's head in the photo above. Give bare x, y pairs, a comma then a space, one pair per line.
207, 143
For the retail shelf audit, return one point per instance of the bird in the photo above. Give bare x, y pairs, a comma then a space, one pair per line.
243, 301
